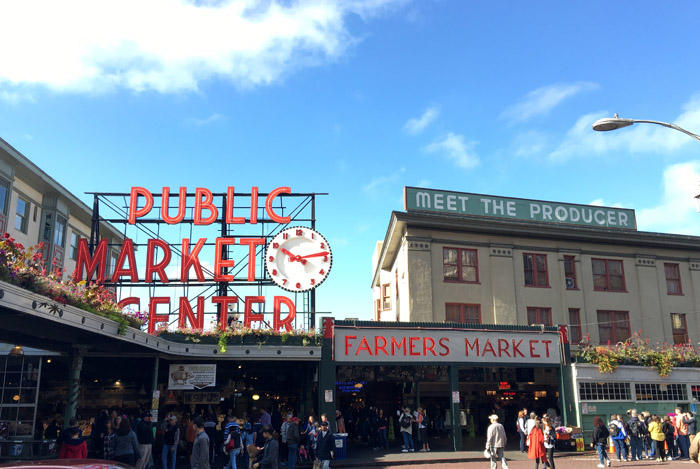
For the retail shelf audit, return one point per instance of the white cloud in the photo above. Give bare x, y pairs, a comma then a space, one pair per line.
169, 45
215, 117
582, 140
376, 185
529, 143
676, 213
456, 149
542, 100
416, 125
603, 203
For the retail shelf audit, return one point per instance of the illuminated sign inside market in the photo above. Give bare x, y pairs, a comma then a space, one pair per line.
466, 204
297, 259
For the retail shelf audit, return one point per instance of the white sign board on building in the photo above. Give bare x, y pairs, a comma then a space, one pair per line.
187, 376
445, 345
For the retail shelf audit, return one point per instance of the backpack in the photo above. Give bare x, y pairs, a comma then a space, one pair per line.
635, 429
234, 440
613, 429
405, 421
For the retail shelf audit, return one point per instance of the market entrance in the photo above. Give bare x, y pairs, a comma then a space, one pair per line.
363, 391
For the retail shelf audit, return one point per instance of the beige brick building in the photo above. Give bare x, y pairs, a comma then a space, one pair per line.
499, 267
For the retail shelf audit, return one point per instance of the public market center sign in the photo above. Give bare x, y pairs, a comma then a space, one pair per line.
466, 204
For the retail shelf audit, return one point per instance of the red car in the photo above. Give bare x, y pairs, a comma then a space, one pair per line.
67, 464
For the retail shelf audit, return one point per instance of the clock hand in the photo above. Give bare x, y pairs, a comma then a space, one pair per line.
318, 254
291, 256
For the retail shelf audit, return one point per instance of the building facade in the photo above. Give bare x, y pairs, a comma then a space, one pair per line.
604, 281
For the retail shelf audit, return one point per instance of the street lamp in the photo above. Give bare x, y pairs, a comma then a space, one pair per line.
614, 123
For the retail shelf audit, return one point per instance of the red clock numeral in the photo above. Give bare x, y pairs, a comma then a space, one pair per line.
285, 235
298, 285
325, 258
274, 271
313, 281
313, 235
323, 245
322, 272
284, 281
272, 259
300, 232
275, 245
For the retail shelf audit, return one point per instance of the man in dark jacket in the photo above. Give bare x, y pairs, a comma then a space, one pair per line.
293, 439
270, 450
144, 433
325, 445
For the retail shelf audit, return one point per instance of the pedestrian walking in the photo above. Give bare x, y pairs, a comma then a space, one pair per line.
233, 442
600, 440
423, 430
270, 450
496, 442
618, 435
325, 446
126, 445
383, 427
200, 447
293, 440
657, 438
550, 438
145, 437
536, 449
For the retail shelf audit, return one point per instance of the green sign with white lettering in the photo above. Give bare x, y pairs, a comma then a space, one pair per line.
465, 204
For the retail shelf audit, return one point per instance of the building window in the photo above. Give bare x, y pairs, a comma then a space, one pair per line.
535, 266
673, 279
679, 328
386, 296
73, 250
575, 325
460, 265
22, 216
463, 313
539, 316
661, 392
608, 275
4, 191
613, 326
20, 395
570, 272
59, 231
696, 392
605, 391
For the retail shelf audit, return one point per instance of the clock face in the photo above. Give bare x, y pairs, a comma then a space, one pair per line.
298, 259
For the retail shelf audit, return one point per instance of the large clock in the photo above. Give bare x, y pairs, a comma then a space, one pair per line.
298, 259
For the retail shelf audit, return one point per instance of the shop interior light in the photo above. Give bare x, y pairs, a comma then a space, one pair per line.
255, 397
15, 398
16, 351
358, 385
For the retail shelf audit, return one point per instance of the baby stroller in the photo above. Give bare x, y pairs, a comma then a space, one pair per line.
304, 454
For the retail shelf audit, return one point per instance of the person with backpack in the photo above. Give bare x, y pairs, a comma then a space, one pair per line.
406, 424
232, 442
637, 432
670, 436
618, 434
657, 437
600, 441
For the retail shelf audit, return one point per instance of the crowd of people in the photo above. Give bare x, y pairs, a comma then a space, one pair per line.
647, 436
537, 439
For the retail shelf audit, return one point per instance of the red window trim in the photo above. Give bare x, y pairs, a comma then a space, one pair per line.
459, 266
675, 332
386, 297
461, 310
573, 267
577, 326
539, 309
534, 271
678, 273
607, 275
613, 339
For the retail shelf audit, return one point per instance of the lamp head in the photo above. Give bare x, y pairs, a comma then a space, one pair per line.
604, 125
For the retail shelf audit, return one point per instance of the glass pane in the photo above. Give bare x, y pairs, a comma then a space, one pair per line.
449, 256
450, 271
27, 396
542, 278
615, 268
598, 267
8, 413
471, 314
546, 316
568, 265
452, 313
14, 363
616, 283
469, 258
59, 231
529, 280
599, 282
532, 316
527, 261
677, 321
11, 396
469, 274
541, 262
13, 379
4, 186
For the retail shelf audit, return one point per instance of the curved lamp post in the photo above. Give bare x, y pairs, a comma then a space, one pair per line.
614, 123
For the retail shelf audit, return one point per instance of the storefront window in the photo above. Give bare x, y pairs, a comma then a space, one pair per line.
18, 400
605, 391
661, 392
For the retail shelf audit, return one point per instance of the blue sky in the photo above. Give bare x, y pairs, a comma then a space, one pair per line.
358, 99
